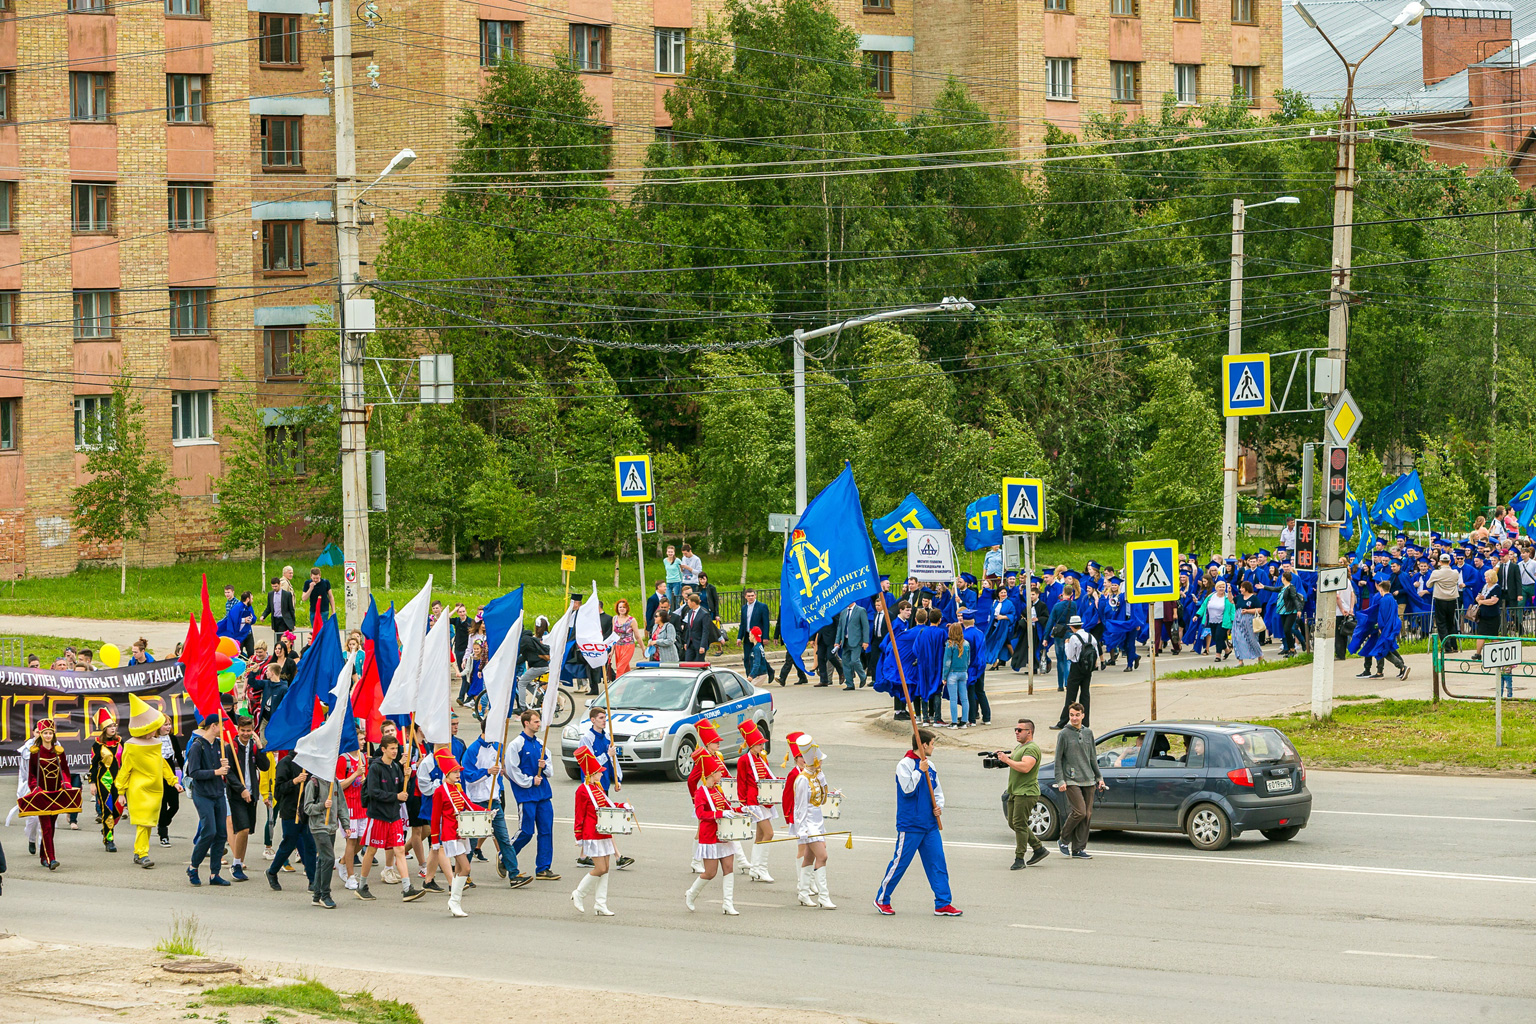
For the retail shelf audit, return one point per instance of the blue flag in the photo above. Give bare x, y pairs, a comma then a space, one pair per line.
1356, 518
910, 514
319, 666
828, 563
1523, 504
984, 523
1401, 501
500, 616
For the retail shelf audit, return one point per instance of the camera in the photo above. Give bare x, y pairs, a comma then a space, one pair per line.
989, 759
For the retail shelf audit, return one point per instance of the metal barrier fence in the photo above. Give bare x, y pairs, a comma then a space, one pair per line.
13, 651
1463, 661
729, 611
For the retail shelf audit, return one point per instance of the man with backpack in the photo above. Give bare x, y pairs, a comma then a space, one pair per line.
1082, 654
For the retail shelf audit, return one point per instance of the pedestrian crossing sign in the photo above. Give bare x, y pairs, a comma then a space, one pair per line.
1023, 505
1151, 571
1246, 380
632, 477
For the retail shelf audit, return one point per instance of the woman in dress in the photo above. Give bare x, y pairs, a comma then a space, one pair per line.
624, 634
596, 846
802, 813
47, 772
664, 637
710, 804
751, 768
1245, 639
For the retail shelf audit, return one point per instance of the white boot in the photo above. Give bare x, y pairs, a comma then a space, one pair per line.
456, 897
728, 883
822, 898
579, 894
760, 864
743, 863
600, 905
803, 883
696, 866
693, 892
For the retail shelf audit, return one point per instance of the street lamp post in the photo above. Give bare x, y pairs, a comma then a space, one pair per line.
949, 304
1338, 331
1235, 347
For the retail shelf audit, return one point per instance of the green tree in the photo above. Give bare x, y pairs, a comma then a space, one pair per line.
1177, 489
1446, 492
497, 509
260, 489
128, 486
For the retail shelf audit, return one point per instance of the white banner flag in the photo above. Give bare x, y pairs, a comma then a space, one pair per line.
434, 695
590, 640
930, 556
557, 636
317, 752
411, 624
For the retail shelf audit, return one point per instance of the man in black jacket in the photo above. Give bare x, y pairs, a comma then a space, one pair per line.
534, 657
695, 630
653, 602
206, 769
287, 785
279, 611
243, 784
383, 793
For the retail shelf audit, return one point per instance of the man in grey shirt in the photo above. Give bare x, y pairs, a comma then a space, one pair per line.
1445, 591
1078, 776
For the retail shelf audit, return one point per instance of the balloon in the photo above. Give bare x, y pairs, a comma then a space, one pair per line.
226, 682
110, 656
237, 666
222, 661
228, 646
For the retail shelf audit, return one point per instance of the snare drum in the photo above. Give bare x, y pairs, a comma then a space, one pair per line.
832, 808
615, 821
735, 828
770, 792
474, 824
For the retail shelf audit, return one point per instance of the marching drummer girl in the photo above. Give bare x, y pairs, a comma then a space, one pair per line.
751, 769
596, 845
805, 790
448, 802
47, 776
711, 806
709, 739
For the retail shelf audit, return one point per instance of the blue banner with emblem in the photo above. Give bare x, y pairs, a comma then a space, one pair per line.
984, 523
911, 514
828, 564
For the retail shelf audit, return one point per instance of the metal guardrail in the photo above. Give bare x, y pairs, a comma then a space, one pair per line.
1466, 663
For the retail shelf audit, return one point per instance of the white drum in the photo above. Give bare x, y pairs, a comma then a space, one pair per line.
474, 824
735, 827
832, 808
615, 821
770, 792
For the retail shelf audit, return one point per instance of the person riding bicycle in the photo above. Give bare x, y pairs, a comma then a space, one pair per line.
534, 655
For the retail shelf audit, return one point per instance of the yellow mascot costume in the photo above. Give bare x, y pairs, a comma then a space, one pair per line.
144, 774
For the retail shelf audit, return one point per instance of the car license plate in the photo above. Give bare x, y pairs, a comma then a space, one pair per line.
1280, 785
618, 751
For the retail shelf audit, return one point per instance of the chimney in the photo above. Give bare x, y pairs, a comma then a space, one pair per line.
1454, 38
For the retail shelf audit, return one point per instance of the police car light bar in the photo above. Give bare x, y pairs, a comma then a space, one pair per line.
693, 664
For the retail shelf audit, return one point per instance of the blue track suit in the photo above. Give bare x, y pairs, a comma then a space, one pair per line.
535, 801
917, 832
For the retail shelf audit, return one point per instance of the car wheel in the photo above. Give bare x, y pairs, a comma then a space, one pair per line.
571, 771
1043, 820
678, 770
767, 730
1208, 828
1280, 835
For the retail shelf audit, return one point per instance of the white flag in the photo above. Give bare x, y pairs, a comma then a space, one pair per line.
589, 631
434, 710
317, 752
411, 624
557, 635
501, 678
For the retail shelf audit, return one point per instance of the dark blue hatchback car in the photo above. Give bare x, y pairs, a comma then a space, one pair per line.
1213, 781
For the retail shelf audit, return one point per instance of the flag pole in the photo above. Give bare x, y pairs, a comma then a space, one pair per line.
329, 797
906, 697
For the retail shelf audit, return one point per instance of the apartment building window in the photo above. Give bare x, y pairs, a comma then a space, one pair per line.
187, 207
1186, 83
277, 39
1245, 84
192, 416
286, 444
7, 205
671, 51
880, 80
880, 6
93, 313
282, 347
1125, 80
1058, 78
91, 206
589, 47
282, 245
184, 98
499, 41
282, 142
10, 424
7, 90
8, 316
1186, 10
1242, 11
93, 421
1062, 6
88, 95
88, 6
1125, 8
189, 311
184, 8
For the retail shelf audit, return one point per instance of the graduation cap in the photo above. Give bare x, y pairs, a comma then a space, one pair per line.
1092, 564
1036, 580
1384, 577
1231, 559
885, 578
576, 596
1073, 574
1262, 551
968, 578
1117, 581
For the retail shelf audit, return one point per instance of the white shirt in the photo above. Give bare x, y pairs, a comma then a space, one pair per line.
1288, 538
691, 567
1215, 608
1077, 642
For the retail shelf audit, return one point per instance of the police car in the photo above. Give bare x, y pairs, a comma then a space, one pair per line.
656, 710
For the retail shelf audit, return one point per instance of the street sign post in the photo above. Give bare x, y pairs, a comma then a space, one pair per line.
1502, 653
1247, 385
632, 477
1331, 581
1305, 555
1023, 505
1152, 571
1343, 418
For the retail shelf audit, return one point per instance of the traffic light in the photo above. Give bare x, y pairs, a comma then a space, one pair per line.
1335, 492
1306, 544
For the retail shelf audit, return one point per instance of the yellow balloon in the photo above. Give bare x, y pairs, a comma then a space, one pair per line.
110, 656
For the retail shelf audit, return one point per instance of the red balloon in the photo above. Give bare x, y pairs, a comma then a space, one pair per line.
222, 661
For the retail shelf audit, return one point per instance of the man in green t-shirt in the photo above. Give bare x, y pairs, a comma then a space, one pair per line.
1023, 791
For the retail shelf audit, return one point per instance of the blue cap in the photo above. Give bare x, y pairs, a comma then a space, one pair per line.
1384, 577
1092, 564
968, 578
1117, 581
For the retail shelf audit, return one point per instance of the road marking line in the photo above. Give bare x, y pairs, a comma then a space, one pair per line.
1404, 956
1431, 817
1051, 928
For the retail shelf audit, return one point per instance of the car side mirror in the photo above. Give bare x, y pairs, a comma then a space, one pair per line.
591, 702
705, 705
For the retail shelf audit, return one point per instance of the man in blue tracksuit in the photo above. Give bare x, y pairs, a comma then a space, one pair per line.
535, 800
918, 801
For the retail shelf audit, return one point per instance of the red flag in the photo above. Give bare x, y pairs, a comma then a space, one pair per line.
368, 693
201, 680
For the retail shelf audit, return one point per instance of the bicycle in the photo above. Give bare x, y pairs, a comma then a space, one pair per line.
565, 703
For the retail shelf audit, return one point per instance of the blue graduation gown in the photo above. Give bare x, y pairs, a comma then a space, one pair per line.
999, 628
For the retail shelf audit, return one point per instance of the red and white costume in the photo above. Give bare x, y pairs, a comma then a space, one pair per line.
707, 734
348, 765
447, 801
750, 768
805, 819
710, 804
589, 797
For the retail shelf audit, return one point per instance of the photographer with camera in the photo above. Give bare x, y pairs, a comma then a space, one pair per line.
1023, 791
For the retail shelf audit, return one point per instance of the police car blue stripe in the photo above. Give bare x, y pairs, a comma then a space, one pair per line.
745, 704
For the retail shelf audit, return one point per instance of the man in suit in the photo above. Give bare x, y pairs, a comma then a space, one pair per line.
695, 630
879, 629
1510, 585
853, 643
754, 615
653, 602
279, 611
827, 654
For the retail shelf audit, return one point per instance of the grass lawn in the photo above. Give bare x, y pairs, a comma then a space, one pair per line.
168, 593
313, 997
1416, 734
1218, 671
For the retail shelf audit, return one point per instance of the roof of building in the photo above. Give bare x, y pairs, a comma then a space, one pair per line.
1392, 81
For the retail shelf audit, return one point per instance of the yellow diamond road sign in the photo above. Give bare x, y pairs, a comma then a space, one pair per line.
1343, 419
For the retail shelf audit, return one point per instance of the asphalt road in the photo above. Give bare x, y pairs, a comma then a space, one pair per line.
1408, 896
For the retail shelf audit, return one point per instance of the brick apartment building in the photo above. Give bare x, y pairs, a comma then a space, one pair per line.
191, 144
